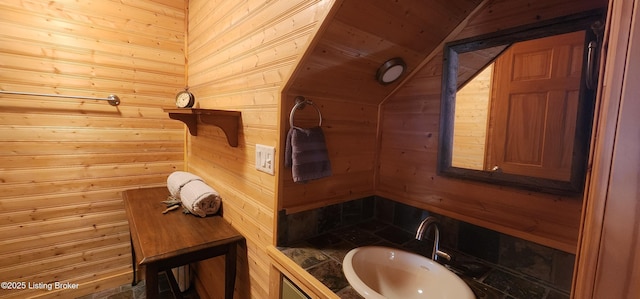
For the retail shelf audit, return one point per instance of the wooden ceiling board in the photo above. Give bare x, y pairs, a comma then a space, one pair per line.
363, 34
504, 14
388, 20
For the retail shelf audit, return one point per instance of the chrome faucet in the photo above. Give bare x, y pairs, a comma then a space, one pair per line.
424, 225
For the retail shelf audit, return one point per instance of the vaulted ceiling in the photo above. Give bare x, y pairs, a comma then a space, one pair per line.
360, 35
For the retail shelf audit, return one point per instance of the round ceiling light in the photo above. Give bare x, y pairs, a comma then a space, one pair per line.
391, 70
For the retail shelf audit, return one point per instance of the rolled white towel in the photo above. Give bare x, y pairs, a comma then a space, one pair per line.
199, 198
178, 179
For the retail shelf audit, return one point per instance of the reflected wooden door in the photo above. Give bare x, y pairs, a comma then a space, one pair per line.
534, 107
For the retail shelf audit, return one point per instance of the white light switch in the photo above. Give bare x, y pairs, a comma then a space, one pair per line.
265, 158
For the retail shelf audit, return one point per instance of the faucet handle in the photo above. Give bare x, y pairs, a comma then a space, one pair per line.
443, 255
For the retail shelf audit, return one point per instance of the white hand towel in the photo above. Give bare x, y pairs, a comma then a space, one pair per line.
199, 198
178, 179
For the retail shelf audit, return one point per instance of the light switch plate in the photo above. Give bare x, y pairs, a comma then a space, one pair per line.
265, 158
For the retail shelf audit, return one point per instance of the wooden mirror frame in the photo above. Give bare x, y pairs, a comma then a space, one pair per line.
586, 102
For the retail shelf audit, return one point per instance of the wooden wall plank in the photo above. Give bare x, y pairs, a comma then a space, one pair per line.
61, 174
51, 119
44, 253
61, 148
75, 159
64, 162
240, 53
45, 214
57, 238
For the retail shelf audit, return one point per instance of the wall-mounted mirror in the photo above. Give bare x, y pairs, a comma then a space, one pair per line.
517, 105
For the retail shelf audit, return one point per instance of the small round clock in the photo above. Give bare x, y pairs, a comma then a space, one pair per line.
185, 99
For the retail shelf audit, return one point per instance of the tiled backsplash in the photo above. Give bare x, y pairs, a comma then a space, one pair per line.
517, 268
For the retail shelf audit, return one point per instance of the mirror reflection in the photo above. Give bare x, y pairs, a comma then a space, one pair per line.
519, 112
518, 115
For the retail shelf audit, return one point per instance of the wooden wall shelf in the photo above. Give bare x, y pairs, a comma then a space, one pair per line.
226, 120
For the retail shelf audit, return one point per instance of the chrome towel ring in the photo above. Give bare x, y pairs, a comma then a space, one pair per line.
301, 102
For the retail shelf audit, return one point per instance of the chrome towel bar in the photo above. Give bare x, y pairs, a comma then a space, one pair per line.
113, 100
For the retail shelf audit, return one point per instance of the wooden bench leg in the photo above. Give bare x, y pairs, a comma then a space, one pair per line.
151, 281
133, 263
173, 283
230, 271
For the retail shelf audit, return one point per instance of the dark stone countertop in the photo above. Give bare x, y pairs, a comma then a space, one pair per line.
322, 256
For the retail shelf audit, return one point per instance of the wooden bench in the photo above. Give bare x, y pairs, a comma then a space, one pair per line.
160, 242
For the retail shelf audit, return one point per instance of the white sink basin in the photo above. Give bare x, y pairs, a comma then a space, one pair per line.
381, 272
